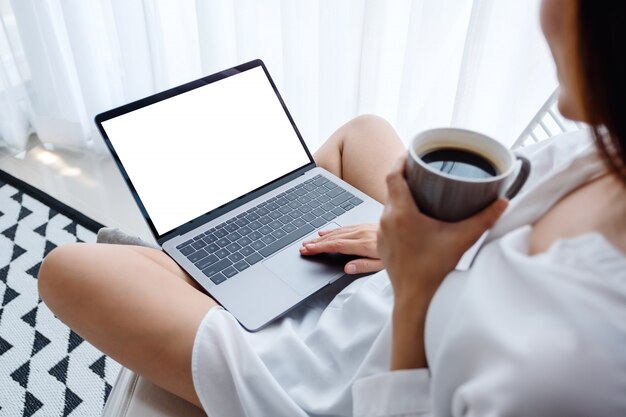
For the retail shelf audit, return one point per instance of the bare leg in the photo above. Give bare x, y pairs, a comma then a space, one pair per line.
362, 152
133, 303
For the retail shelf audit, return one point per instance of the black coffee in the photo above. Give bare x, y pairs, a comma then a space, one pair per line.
460, 162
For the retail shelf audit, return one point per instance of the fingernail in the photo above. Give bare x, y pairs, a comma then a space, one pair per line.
309, 245
350, 268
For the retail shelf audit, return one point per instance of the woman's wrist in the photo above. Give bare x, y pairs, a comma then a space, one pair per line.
408, 336
412, 305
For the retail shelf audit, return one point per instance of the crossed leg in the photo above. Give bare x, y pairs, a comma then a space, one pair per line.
362, 152
139, 307
133, 303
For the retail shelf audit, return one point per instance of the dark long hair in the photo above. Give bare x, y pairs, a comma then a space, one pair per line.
602, 54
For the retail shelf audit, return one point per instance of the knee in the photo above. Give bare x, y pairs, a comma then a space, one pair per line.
55, 275
369, 127
368, 123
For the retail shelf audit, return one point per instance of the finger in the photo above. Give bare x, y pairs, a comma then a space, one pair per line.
333, 232
326, 231
346, 247
399, 166
310, 249
380, 242
326, 234
343, 234
363, 266
476, 225
398, 188
346, 232
330, 246
330, 232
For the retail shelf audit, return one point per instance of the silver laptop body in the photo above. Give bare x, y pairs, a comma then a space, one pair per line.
229, 189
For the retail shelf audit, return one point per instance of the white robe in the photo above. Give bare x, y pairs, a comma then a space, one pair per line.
515, 335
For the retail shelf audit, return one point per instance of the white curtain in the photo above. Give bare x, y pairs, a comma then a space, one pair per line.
479, 64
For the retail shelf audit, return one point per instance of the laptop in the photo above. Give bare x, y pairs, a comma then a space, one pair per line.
230, 190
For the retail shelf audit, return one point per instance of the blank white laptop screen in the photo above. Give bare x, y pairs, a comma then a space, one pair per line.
194, 152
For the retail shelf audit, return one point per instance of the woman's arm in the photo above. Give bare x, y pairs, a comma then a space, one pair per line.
419, 252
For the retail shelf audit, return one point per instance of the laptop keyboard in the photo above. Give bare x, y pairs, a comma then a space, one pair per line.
233, 246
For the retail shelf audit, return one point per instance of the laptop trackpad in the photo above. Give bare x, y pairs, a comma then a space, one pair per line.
306, 273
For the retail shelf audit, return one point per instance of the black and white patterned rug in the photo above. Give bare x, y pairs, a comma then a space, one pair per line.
45, 368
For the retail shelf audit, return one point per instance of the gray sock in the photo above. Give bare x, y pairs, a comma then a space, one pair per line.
116, 236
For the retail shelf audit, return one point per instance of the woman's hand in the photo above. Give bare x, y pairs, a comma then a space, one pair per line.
357, 240
418, 252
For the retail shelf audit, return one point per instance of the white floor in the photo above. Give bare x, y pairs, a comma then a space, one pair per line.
88, 183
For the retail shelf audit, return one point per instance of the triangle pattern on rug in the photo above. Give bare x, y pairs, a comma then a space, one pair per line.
71, 228
9, 295
98, 366
17, 252
4, 346
49, 247
39, 343
24, 212
34, 271
21, 374
31, 405
46, 369
73, 341
71, 401
4, 272
18, 196
52, 213
10, 232
59, 371
107, 390
41, 229
30, 318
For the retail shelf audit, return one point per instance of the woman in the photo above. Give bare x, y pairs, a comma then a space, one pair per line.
536, 327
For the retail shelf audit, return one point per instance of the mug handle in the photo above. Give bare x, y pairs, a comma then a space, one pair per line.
522, 176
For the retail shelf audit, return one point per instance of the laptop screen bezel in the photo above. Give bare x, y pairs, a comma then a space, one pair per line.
229, 206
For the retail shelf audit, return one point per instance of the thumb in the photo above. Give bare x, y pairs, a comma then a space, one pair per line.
363, 266
476, 225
